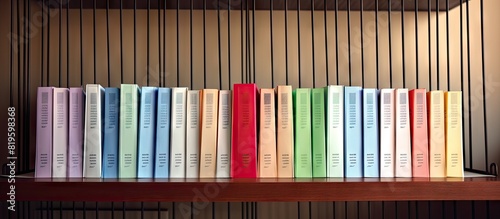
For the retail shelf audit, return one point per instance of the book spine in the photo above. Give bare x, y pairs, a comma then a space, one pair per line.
318, 132
60, 133
224, 135
285, 131
162, 152
193, 134
335, 130
303, 153
244, 135
93, 132
75, 150
43, 168
437, 144
111, 126
403, 142
208, 147
267, 135
129, 107
370, 133
353, 137
454, 144
387, 132
418, 128
147, 131
178, 133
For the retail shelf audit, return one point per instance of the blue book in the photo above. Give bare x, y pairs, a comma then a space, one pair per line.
370, 133
147, 131
353, 145
111, 128
162, 154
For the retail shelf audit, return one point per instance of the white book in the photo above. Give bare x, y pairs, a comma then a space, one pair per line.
387, 132
193, 134
335, 131
93, 131
178, 133
224, 136
403, 141
60, 132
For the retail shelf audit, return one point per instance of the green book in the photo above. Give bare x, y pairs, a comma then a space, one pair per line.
302, 114
318, 132
129, 114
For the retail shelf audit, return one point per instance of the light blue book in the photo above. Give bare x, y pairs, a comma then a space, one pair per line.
111, 129
370, 133
353, 143
147, 131
162, 154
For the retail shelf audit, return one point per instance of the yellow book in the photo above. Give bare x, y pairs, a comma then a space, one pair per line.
453, 130
267, 135
437, 144
284, 131
208, 148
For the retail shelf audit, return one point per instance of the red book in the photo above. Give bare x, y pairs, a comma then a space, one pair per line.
244, 133
418, 128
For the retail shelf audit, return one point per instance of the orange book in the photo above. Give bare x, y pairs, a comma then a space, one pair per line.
267, 135
418, 128
437, 149
284, 132
208, 148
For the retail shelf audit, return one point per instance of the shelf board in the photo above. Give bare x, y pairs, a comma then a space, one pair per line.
261, 190
369, 5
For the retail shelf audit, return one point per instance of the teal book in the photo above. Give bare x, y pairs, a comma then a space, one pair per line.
129, 114
302, 116
110, 147
370, 133
353, 142
147, 131
318, 132
162, 152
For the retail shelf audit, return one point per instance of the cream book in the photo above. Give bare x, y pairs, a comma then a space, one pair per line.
437, 144
387, 132
193, 134
60, 131
335, 131
208, 148
403, 140
453, 130
224, 135
267, 135
178, 133
284, 132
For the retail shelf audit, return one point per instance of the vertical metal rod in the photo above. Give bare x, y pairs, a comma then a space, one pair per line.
204, 45
468, 83
337, 39
429, 43
334, 210
376, 43
448, 44
253, 39
60, 209
416, 48
147, 41
242, 48
298, 40
97, 210
229, 203
326, 41
437, 45
121, 41
28, 110
81, 42
142, 206
19, 95
67, 44
135, 41
454, 202
309, 210
219, 44
123, 211
112, 210
107, 42
60, 44
403, 42
349, 40
164, 41
11, 50
160, 84
95, 54
271, 12
177, 38
159, 203
298, 209
48, 47
362, 46
85, 210
248, 51
345, 210
313, 47
483, 72
191, 211
242, 204
286, 42
191, 44
462, 78
229, 44
213, 206
390, 44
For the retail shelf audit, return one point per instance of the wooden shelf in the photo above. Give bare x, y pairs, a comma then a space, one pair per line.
369, 5
261, 190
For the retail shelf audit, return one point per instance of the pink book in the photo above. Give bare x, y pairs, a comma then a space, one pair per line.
418, 127
43, 160
75, 155
244, 133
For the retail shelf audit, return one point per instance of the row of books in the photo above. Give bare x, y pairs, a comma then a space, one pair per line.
336, 131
